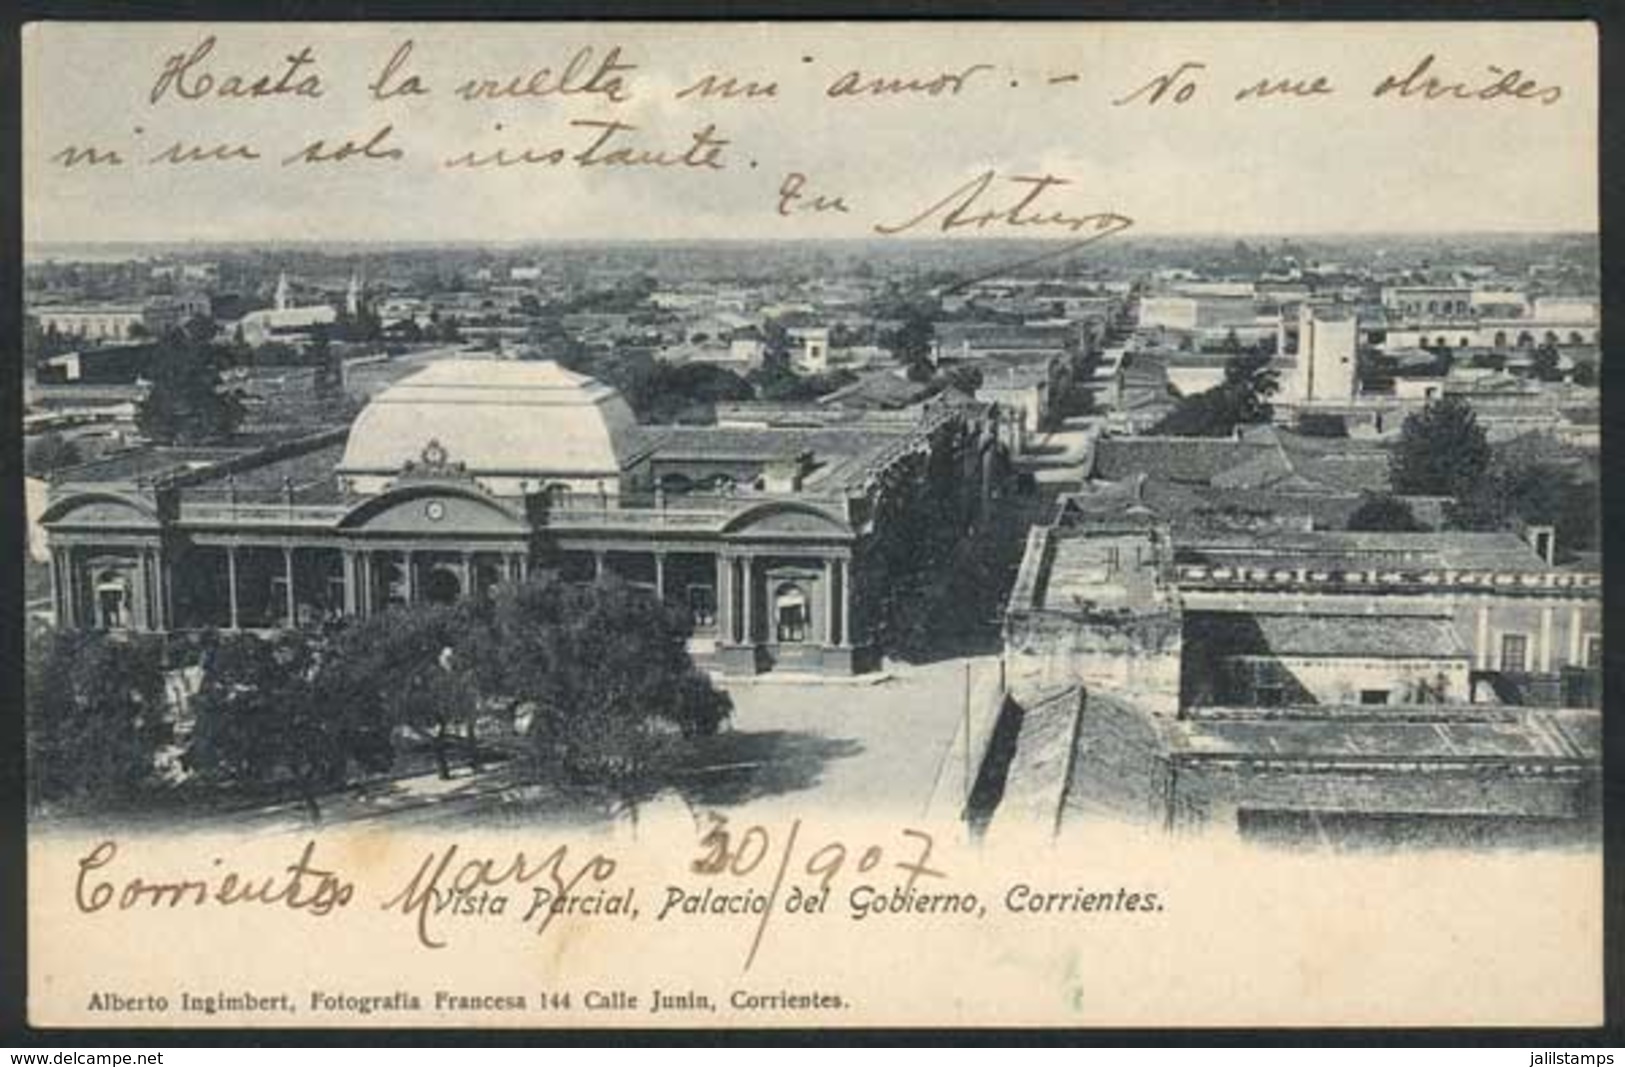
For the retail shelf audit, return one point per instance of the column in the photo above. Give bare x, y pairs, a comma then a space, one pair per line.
660, 575
140, 593
1576, 645
831, 623
166, 589
467, 575
231, 583
1545, 651
846, 603
597, 564
1482, 638
411, 570
351, 603
59, 609
747, 601
290, 604
725, 603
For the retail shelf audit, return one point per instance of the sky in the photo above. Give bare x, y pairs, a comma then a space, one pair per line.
1038, 100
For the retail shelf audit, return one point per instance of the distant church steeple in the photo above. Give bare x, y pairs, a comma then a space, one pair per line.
352, 298
282, 291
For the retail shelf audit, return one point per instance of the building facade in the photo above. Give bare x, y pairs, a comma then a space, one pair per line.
474, 473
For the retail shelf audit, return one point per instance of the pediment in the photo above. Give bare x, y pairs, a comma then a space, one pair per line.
787, 521
102, 510
432, 512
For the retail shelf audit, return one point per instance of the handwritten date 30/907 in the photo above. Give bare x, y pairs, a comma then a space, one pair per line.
747, 877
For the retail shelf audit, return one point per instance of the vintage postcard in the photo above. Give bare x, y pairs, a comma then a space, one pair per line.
812, 525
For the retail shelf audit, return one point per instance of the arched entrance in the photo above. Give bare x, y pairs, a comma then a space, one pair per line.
790, 614
442, 586
112, 600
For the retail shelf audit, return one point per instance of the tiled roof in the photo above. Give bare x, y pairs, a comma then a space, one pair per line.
1185, 460
1532, 734
1327, 636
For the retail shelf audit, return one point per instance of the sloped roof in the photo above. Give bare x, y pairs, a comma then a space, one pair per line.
1329, 636
496, 416
1188, 460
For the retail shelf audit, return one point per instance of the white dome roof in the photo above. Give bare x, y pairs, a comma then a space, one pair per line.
517, 419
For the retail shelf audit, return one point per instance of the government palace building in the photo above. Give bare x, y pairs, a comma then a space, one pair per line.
774, 530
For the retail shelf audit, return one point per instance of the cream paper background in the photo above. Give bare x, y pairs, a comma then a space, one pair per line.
1248, 935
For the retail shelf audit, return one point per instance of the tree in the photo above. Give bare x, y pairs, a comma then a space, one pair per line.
785, 386
421, 666
185, 402
48, 453
266, 717
1383, 512
1536, 480
1543, 364
327, 382
97, 720
1242, 398
661, 392
1442, 451
964, 378
911, 342
606, 673
775, 348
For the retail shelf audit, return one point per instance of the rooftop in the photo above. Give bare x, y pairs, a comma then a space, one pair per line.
509, 417
1350, 550
1327, 735
1295, 634
839, 453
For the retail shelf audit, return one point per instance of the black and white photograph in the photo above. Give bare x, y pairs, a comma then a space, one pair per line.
700, 505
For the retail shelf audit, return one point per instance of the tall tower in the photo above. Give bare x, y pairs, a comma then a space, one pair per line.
1328, 339
282, 291
352, 298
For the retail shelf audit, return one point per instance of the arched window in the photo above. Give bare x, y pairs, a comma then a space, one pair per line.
790, 613
1551, 337
112, 600
1500, 338
676, 482
1575, 338
442, 586
1433, 307
1525, 339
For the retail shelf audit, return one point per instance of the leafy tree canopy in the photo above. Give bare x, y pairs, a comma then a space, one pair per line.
1241, 399
186, 402
1383, 511
1442, 451
96, 716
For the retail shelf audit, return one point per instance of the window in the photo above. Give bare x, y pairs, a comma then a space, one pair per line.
1514, 653
1269, 695
112, 602
702, 605
1373, 696
790, 612
1594, 652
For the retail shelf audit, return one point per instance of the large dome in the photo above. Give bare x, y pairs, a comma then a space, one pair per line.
515, 426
